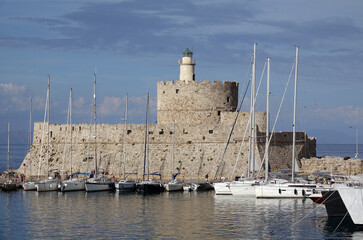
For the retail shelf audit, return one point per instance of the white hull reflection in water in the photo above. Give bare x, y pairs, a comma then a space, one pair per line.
178, 215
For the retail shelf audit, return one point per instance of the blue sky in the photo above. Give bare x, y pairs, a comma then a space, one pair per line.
133, 44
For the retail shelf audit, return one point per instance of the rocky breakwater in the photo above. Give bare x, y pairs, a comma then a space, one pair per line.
337, 165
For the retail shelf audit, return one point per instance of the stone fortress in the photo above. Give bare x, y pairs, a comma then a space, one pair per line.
201, 113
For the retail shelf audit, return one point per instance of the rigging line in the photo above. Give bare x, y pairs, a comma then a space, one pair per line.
230, 133
313, 209
65, 144
248, 123
282, 226
278, 113
43, 130
236, 116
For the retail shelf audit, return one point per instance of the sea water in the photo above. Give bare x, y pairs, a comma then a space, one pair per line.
182, 215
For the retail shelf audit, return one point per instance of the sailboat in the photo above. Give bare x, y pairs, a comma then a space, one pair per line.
125, 184
97, 183
148, 186
239, 186
51, 182
9, 185
288, 189
174, 184
72, 184
30, 185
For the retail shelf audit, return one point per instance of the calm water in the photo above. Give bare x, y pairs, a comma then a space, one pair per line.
109, 215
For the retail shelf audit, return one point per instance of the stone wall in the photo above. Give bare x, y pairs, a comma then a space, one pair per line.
337, 165
195, 103
198, 148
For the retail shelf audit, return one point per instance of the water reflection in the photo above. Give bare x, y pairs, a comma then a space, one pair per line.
180, 215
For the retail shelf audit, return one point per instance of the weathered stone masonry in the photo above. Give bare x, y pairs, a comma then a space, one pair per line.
203, 114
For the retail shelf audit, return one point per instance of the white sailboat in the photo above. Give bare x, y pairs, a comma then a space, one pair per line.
288, 189
97, 183
30, 185
51, 182
246, 186
174, 184
125, 184
72, 184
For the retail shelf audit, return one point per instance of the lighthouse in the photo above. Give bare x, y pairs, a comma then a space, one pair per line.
187, 66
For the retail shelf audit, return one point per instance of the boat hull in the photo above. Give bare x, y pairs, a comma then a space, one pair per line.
173, 187
282, 191
99, 186
222, 188
47, 185
29, 186
150, 188
244, 189
128, 186
9, 186
72, 185
353, 201
333, 204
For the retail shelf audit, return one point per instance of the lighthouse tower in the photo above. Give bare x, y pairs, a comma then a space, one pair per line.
188, 101
187, 66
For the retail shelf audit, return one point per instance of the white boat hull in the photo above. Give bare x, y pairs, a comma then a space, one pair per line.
76, 184
126, 185
353, 201
222, 188
170, 187
282, 191
245, 189
29, 186
47, 185
95, 186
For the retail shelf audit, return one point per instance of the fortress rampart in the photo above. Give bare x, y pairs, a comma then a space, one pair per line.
203, 114
195, 103
198, 148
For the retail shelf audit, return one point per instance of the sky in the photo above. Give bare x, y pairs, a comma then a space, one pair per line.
131, 45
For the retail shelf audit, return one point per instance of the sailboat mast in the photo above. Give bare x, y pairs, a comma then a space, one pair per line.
294, 119
267, 119
8, 148
95, 123
253, 92
30, 137
125, 134
172, 153
48, 126
71, 128
146, 136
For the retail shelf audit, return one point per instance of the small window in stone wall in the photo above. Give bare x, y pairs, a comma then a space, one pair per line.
80, 128
219, 113
72, 129
228, 99
163, 91
128, 132
210, 131
161, 131
60, 129
177, 91
51, 133
151, 132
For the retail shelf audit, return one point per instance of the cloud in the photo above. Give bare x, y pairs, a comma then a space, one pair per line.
13, 97
348, 115
111, 106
